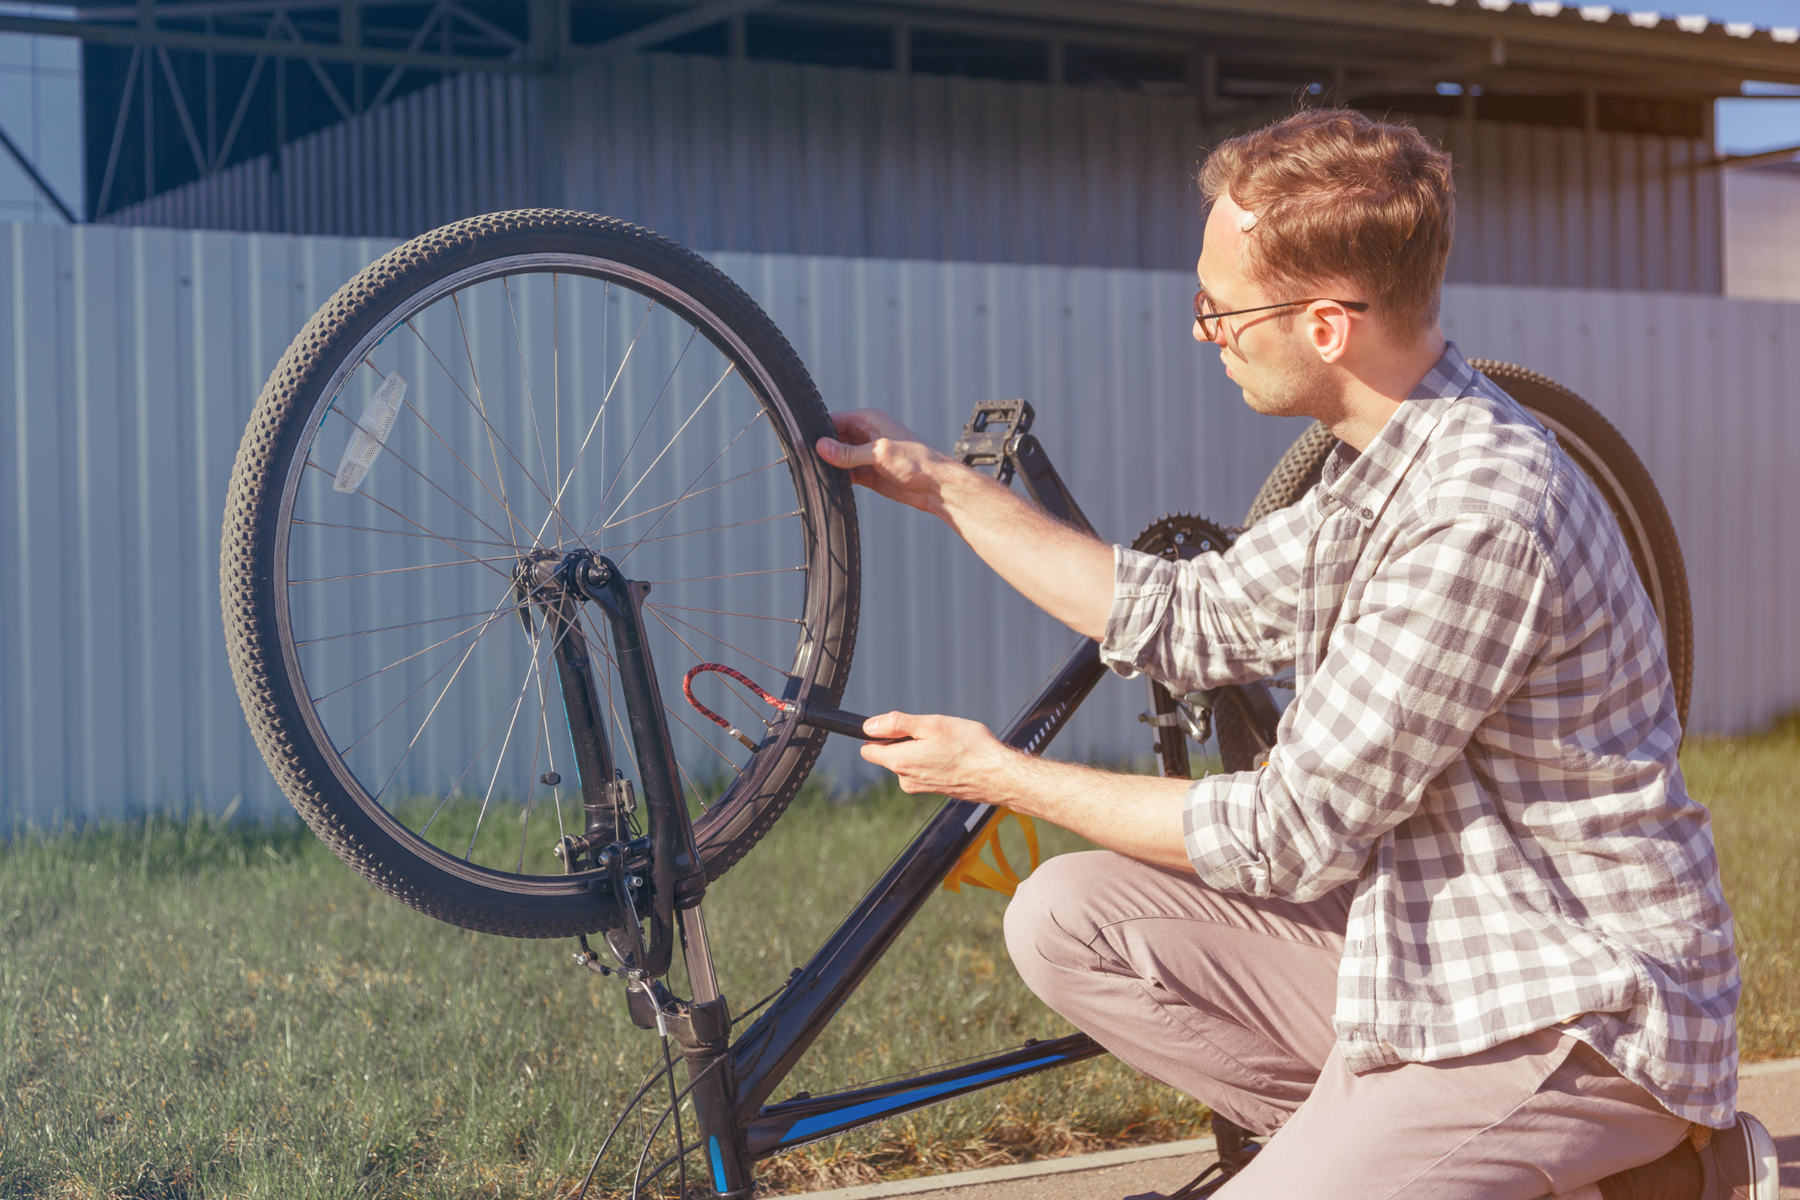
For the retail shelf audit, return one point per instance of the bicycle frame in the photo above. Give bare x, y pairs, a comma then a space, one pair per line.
731, 1083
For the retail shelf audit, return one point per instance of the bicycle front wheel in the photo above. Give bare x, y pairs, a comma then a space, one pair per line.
1597, 449
488, 397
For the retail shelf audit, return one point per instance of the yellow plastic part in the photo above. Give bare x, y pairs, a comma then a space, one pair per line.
972, 869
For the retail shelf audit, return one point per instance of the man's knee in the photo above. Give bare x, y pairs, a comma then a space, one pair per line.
1048, 928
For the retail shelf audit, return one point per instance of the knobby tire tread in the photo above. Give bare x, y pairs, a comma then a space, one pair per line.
504, 904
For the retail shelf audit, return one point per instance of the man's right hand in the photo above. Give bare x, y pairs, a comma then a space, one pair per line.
1063, 571
886, 457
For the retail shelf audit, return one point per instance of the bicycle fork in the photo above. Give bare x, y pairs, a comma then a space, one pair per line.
676, 884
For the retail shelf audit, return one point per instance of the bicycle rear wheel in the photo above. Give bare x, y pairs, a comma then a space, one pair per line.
1601, 453
487, 397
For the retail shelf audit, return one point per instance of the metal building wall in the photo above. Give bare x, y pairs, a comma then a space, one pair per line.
1762, 232
779, 158
465, 146
776, 158
1566, 208
135, 355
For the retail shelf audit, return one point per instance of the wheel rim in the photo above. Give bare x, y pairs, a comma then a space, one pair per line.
553, 402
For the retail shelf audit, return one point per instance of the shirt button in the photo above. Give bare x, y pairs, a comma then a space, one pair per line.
1367, 515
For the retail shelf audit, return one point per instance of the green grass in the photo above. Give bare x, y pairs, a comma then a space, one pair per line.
199, 1009
1752, 786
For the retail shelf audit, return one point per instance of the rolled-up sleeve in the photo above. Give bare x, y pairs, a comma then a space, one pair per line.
1213, 619
1450, 624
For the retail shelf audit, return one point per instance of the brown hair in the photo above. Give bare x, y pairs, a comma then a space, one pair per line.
1338, 196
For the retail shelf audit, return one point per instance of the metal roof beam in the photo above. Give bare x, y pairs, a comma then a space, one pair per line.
43, 185
1287, 19
176, 39
657, 32
183, 10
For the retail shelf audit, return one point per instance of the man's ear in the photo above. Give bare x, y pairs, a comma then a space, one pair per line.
1330, 328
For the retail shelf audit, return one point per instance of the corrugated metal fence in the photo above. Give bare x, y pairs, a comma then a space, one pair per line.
134, 357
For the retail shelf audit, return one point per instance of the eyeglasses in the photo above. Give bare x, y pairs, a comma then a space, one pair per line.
1209, 320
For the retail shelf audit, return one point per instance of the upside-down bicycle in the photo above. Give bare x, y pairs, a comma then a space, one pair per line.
439, 616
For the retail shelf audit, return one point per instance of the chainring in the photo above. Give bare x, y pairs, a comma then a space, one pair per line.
1181, 536
1175, 538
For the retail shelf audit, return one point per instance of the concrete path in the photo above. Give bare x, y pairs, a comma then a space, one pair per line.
1770, 1090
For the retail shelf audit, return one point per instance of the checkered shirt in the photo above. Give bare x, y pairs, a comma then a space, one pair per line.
1482, 742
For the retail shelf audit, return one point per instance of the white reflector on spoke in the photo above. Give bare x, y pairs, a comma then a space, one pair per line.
370, 434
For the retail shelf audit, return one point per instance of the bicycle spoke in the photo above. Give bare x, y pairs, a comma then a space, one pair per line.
735, 769
500, 759
639, 436
704, 471
480, 411
700, 492
670, 444
550, 754
476, 628
428, 533
531, 407
401, 459
478, 754
391, 532
698, 657
338, 637
731, 575
531, 777
399, 570
420, 732
721, 612
481, 406
669, 537
408, 699
581, 451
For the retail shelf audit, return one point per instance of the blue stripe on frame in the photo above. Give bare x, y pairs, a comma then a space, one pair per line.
807, 1126
718, 1164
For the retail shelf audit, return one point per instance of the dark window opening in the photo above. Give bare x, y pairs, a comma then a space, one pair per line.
1132, 70
980, 58
867, 46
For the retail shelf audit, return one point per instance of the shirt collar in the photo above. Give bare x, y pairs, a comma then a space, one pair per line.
1363, 483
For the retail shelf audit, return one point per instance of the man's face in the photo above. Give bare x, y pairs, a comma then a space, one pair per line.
1264, 353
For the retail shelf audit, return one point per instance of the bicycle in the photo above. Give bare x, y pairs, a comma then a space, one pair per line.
479, 531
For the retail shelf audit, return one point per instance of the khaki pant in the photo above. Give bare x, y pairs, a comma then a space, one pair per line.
1229, 998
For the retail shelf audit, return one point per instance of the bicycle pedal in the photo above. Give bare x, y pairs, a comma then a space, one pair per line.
986, 437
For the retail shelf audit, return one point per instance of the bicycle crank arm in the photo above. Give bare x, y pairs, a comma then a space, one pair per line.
837, 720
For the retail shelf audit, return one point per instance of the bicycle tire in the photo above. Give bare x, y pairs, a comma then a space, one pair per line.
583, 251
1603, 455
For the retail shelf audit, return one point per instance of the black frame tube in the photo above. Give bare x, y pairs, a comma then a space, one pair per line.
768, 1050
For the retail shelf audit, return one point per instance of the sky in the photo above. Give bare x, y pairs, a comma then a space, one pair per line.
1747, 126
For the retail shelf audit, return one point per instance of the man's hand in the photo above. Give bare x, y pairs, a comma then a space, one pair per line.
1137, 815
1066, 573
947, 756
886, 457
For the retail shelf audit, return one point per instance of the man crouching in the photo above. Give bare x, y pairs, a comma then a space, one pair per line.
1463, 934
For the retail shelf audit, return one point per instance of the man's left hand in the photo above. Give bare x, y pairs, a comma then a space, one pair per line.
947, 756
